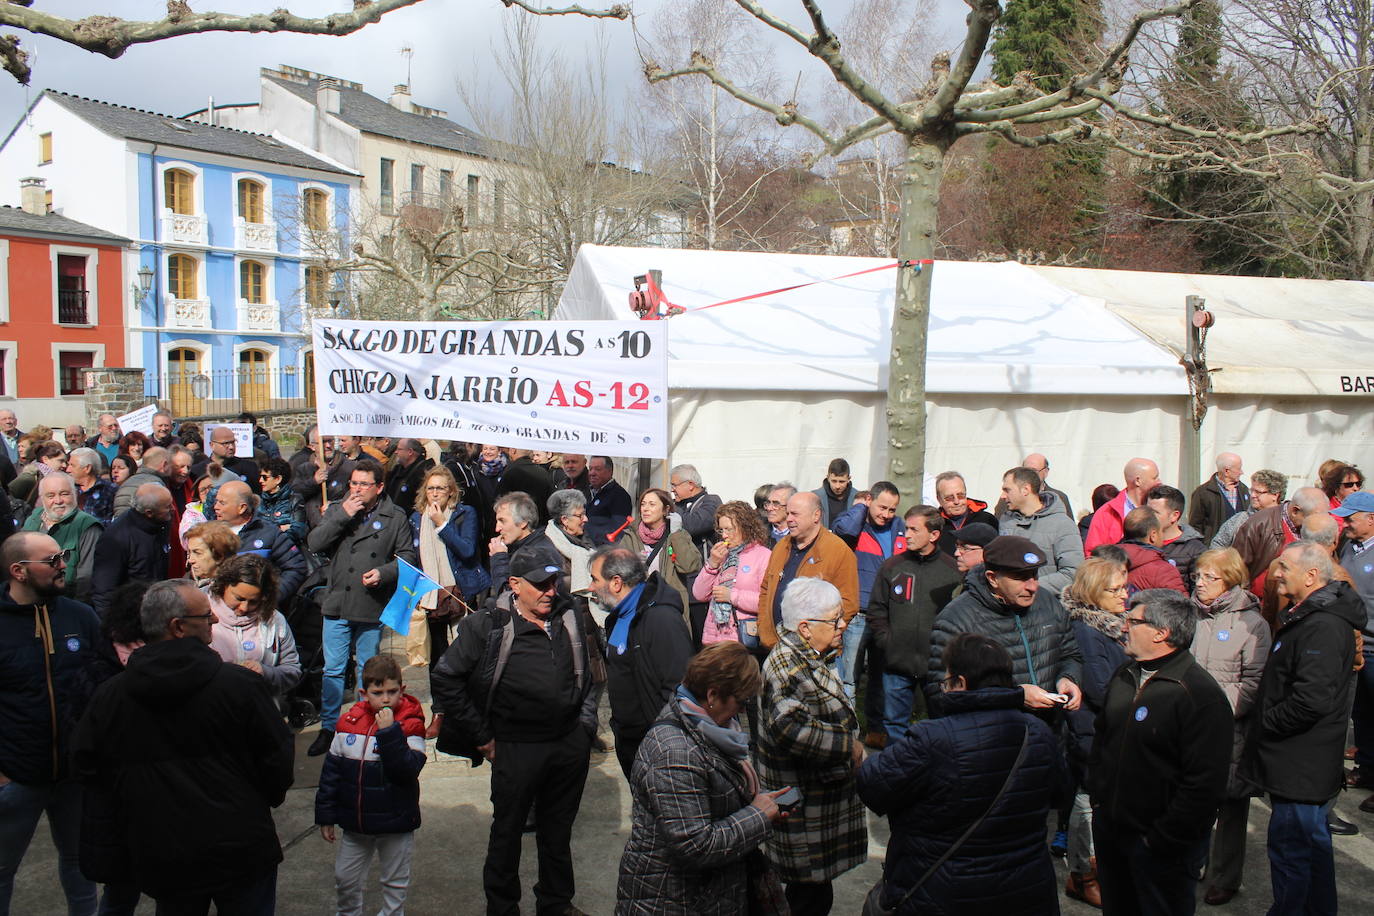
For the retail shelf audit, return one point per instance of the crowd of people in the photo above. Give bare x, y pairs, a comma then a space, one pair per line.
1004, 682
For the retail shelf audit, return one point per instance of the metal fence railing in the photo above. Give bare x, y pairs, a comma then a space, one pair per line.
193, 392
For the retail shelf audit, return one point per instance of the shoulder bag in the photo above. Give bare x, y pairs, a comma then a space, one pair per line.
873, 903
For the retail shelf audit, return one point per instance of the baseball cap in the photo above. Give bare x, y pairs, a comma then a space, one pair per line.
1359, 501
980, 534
536, 564
1010, 553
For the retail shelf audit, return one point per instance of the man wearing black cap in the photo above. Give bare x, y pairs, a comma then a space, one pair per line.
535, 728
969, 542
1003, 601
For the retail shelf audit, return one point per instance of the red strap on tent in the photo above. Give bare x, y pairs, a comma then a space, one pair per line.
786, 289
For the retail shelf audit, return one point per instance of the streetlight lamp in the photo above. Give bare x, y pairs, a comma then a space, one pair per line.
145, 283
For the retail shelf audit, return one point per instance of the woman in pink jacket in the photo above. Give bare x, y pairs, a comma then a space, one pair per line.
732, 575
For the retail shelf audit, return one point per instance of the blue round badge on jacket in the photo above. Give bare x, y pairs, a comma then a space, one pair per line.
897, 590
258, 542
377, 525
249, 645
73, 644
1223, 635
1141, 713
351, 739
1277, 646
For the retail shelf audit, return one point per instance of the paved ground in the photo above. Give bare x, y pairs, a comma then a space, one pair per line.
451, 845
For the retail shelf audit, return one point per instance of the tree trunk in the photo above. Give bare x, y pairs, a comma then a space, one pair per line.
906, 372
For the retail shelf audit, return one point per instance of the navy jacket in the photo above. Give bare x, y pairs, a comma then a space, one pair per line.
460, 539
284, 507
370, 781
941, 775
857, 530
33, 641
266, 540
133, 547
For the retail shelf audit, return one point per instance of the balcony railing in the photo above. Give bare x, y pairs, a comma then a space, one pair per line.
188, 313
184, 228
71, 306
255, 236
259, 316
231, 391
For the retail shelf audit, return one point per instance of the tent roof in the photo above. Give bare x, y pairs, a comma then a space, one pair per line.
997, 328
1272, 335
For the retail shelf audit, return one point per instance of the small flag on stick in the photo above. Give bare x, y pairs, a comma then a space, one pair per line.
411, 586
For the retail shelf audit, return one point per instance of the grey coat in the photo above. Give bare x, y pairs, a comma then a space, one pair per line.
124, 496
1232, 642
692, 826
355, 545
1053, 532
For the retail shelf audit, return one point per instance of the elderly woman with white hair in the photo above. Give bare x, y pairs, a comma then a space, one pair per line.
808, 739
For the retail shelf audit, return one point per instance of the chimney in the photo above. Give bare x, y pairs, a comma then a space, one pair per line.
400, 97
32, 196
210, 110
327, 94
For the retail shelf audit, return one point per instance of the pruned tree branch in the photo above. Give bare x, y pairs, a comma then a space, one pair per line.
112, 36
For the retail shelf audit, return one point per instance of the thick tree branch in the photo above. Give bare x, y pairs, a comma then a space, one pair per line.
112, 36
981, 19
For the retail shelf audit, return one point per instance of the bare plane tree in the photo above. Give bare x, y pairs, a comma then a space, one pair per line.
929, 121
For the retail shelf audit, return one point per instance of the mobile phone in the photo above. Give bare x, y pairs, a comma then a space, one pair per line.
789, 800
1059, 699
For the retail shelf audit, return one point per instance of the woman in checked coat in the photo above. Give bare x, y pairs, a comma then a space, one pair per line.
699, 814
808, 740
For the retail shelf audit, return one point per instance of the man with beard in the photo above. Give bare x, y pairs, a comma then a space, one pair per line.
77, 533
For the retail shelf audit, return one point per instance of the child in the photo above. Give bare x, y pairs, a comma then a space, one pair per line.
370, 786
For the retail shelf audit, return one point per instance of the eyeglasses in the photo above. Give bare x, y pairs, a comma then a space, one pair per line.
835, 622
774, 504
56, 561
206, 616
1208, 577
1256, 491
967, 548
264, 475
1136, 621
1119, 590
441, 488
1350, 484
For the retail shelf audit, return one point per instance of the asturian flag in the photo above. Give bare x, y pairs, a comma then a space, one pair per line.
411, 586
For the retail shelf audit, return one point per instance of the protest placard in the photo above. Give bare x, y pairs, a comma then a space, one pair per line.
140, 420
243, 437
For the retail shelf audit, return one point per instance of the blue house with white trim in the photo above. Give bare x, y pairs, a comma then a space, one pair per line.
231, 230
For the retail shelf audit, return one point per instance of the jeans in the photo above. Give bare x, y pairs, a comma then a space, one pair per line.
341, 639
858, 646
1302, 867
1081, 835
20, 808
899, 702
394, 851
254, 895
1364, 716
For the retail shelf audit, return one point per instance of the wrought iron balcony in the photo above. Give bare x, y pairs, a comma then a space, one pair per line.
71, 306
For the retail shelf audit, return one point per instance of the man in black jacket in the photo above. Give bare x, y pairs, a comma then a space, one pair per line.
1159, 763
48, 643
522, 475
515, 685
1296, 743
234, 506
609, 507
223, 448
406, 477
648, 645
184, 756
908, 592
134, 546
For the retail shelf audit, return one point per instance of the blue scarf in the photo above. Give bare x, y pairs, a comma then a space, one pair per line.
624, 615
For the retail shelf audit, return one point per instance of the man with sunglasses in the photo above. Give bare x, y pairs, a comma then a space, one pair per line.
48, 641
1159, 763
184, 756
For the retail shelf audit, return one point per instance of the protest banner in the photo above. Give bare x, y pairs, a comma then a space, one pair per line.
594, 387
140, 420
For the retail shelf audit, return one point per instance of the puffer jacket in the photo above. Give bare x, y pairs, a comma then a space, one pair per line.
44, 653
1147, 568
1183, 552
908, 594
1232, 642
284, 507
370, 781
1055, 534
1297, 730
1101, 635
691, 826
941, 775
1039, 639
857, 530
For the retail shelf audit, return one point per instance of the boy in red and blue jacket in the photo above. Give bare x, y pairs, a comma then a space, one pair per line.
370, 787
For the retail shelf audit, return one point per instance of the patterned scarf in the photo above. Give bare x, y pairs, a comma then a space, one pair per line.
650, 536
720, 610
730, 740
494, 467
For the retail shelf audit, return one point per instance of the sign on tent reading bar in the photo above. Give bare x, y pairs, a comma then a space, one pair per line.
593, 387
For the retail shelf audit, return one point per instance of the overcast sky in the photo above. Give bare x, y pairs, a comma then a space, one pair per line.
448, 38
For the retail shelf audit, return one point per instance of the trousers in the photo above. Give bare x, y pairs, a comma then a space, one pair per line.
343, 638
21, 806
394, 851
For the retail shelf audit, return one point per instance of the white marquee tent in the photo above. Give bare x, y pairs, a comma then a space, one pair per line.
1079, 364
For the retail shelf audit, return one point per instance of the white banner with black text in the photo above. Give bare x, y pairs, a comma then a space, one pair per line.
592, 387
